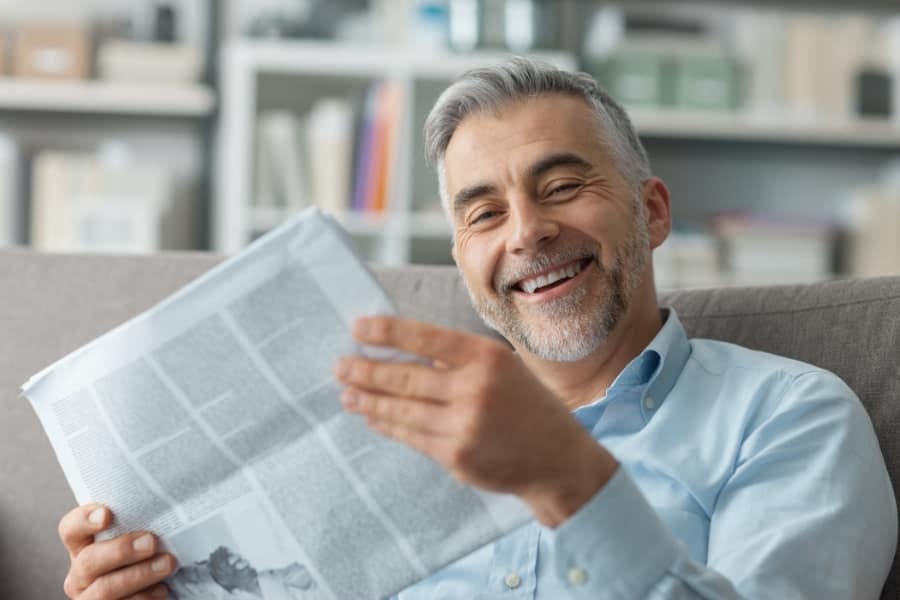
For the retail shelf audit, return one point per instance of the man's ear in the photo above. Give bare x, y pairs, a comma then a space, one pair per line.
453, 250
655, 195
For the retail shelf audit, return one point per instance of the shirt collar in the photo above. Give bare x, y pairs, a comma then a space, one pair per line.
672, 346
658, 366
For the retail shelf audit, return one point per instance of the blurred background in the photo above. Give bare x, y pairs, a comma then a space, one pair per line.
138, 126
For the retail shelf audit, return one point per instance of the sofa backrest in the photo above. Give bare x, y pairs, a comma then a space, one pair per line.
51, 304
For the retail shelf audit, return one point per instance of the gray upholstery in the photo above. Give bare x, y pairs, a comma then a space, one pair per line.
50, 305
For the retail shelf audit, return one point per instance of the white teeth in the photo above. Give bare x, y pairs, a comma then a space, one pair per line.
531, 284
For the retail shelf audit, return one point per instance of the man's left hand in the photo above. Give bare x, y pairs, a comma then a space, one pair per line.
477, 410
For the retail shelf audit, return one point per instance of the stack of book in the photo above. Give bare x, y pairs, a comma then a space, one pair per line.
687, 260
337, 156
82, 202
768, 250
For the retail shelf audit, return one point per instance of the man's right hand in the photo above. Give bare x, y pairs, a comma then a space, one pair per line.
127, 567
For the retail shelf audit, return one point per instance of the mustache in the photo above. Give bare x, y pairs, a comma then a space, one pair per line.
508, 275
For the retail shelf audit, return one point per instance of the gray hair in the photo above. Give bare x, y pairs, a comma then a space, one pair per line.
489, 88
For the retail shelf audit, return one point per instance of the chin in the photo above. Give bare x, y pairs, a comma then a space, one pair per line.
565, 340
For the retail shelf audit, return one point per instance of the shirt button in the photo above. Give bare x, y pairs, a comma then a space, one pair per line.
577, 576
649, 403
512, 581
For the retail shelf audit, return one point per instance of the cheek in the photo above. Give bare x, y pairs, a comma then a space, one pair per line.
477, 259
603, 226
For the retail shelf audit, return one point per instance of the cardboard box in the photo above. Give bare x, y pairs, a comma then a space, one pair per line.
52, 52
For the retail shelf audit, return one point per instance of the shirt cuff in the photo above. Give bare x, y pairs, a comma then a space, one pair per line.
615, 546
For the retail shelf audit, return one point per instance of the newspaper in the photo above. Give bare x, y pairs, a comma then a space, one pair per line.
214, 421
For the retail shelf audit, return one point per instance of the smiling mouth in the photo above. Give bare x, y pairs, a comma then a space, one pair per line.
555, 277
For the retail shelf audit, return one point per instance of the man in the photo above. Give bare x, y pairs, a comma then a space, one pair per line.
655, 466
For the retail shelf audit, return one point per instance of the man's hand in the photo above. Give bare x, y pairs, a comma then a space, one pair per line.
478, 411
124, 567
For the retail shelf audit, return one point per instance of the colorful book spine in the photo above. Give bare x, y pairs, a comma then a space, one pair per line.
365, 150
375, 148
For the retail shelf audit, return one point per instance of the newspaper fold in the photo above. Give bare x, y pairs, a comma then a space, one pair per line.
214, 421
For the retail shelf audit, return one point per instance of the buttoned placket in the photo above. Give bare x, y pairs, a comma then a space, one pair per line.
515, 561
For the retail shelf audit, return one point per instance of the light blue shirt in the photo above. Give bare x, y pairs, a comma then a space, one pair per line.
743, 475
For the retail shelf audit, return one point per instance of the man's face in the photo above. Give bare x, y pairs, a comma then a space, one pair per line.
551, 240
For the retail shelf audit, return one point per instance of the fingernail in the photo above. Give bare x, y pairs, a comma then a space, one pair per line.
97, 515
351, 398
343, 368
160, 564
143, 543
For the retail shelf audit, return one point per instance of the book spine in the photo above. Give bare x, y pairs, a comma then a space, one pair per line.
365, 150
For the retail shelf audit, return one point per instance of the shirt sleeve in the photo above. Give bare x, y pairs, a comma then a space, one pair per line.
808, 512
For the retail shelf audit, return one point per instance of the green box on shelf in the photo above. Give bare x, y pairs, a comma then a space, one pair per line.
707, 82
633, 78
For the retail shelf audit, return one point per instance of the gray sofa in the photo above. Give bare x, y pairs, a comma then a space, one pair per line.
51, 304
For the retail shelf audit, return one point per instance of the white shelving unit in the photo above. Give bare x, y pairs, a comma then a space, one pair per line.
302, 68
111, 98
714, 162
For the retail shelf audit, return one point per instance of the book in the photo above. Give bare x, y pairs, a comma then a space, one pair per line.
874, 222
329, 141
385, 140
375, 148
10, 192
687, 260
281, 171
366, 150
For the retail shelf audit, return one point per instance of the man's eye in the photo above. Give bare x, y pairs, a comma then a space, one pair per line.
483, 216
562, 189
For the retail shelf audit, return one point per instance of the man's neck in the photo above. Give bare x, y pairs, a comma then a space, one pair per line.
582, 382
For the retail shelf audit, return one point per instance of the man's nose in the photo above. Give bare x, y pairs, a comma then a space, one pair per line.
532, 228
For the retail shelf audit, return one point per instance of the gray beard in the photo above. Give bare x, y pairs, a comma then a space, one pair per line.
572, 327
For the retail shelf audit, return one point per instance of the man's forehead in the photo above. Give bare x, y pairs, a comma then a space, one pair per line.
518, 135
560, 115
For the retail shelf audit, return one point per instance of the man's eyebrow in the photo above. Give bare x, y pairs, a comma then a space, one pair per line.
560, 159
468, 194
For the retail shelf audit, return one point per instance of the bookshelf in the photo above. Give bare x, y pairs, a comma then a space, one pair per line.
713, 161
106, 125
292, 76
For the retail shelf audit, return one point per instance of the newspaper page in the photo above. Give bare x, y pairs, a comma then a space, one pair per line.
214, 421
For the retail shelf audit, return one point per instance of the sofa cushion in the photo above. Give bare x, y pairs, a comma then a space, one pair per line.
51, 304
